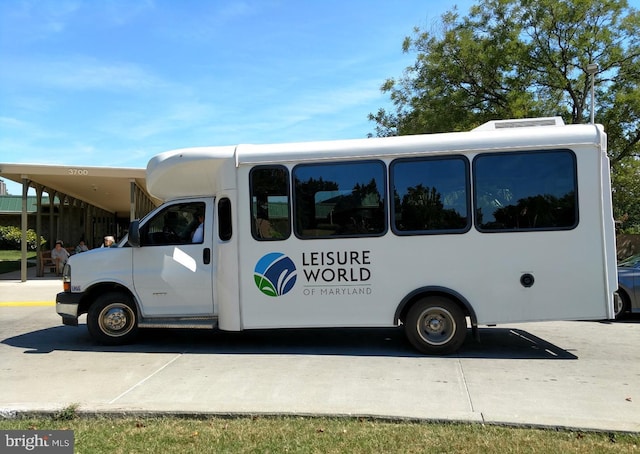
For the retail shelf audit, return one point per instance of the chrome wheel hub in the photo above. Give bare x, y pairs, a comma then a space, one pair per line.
115, 319
435, 324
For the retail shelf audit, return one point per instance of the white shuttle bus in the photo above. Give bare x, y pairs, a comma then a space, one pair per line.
440, 233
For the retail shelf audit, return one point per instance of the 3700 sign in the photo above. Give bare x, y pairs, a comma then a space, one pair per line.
78, 172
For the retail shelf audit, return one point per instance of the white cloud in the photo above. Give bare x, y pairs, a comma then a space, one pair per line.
121, 12
78, 73
40, 20
34, 20
13, 123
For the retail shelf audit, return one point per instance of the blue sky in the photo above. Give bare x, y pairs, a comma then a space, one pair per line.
112, 83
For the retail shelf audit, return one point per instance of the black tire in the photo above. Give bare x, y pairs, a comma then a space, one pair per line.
621, 304
112, 319
436, 325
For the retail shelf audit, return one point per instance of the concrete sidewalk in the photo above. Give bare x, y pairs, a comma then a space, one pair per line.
582, 375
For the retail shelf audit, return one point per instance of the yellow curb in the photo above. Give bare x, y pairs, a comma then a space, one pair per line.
27, 303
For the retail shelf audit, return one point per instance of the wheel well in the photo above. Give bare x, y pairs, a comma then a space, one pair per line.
98, 289
411, 298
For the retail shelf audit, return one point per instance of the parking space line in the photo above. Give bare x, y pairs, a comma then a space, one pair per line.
26, 303
466, 387
145, 379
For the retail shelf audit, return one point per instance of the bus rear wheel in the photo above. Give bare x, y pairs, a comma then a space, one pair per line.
112, 319
436, 325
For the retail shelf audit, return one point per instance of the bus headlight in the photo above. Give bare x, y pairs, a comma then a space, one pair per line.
66, 278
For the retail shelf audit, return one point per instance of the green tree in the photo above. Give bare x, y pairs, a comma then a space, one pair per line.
523, 58
626, 195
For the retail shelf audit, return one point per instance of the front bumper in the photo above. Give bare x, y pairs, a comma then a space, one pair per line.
67, 307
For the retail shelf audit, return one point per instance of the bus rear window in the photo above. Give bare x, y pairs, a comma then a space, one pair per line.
525, 191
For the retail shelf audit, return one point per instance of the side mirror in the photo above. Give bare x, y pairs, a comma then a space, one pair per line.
134, 233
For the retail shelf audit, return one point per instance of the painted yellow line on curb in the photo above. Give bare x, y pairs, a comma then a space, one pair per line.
26, 303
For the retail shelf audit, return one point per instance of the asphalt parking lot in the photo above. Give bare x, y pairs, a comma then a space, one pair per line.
555, 374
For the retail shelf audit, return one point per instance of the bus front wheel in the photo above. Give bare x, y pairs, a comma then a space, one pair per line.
112, 319
436, 325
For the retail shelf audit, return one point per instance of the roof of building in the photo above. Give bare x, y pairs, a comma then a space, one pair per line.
12, 204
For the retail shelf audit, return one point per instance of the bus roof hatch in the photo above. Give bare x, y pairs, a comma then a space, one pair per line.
522, 123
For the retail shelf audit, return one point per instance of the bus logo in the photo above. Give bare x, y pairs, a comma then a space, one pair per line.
275, 274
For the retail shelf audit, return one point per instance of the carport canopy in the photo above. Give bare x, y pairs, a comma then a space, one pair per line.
108, 188
115, 190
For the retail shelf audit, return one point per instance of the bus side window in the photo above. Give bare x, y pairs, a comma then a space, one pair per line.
269, 189
225, 228
430, 195
340, 199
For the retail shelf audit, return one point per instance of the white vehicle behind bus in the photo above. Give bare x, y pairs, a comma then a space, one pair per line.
510, 222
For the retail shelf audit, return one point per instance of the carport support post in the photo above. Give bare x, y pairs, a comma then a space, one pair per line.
52, 234
39, 189
23, 242
132, 199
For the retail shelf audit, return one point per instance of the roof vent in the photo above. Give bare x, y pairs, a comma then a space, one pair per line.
523, 123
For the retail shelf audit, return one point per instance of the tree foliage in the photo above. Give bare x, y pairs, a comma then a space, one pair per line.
626, 195
523, 58
11, 238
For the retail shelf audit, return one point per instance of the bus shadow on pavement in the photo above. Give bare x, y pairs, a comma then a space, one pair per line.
495, 343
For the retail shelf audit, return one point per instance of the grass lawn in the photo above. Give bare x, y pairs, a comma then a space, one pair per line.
10, 260
313, 435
